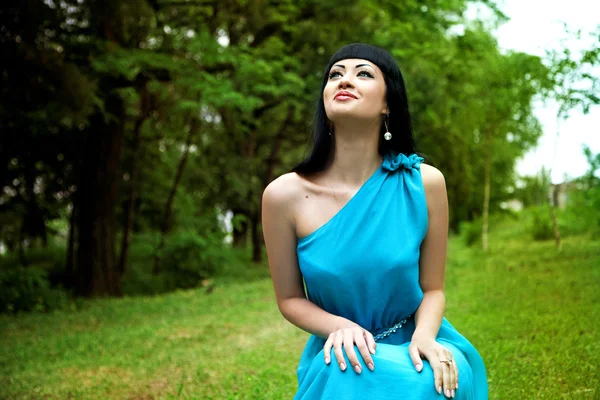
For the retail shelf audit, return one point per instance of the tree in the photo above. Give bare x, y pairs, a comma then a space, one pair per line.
575, 87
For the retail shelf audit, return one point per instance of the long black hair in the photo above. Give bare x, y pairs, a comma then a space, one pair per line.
399, 122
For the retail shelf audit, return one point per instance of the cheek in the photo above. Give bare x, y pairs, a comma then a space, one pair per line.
378, 91
328, 91
380, 96
375, 96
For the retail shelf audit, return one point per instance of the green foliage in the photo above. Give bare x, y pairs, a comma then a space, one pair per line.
574, 73
28, 289
186, 261
533, 190
188, 258
48, 258
470, 231
541, 226
582, 212
593, 161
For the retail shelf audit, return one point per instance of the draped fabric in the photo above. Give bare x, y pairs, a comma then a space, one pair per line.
363, 264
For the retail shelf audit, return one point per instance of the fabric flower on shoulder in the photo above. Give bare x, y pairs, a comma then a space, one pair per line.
392, 162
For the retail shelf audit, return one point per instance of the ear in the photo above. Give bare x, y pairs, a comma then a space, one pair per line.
386, 110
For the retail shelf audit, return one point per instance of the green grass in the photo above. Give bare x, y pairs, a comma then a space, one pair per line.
532, 313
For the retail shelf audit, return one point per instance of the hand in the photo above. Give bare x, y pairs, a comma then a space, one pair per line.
444, 375
347, 338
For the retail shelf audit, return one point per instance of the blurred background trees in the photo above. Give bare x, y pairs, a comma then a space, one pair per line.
137, 137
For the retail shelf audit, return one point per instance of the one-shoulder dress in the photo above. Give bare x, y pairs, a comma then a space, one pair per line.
363, 265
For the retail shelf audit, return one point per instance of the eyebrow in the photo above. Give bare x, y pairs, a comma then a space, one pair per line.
357, 66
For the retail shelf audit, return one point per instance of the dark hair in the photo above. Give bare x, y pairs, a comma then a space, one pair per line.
399, 123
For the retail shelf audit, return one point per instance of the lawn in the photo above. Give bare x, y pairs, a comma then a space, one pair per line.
532, 313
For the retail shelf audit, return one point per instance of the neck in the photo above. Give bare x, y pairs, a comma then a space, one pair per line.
356, 155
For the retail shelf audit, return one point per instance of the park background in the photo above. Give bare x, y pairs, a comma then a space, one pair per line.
136, 138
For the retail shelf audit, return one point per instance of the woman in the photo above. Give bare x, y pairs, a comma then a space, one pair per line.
363, 224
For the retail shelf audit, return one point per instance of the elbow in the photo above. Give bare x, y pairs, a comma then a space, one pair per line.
288, 307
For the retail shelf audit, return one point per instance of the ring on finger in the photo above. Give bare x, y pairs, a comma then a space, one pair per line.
448, 362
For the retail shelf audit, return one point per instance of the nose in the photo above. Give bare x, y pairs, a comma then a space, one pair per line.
345, 82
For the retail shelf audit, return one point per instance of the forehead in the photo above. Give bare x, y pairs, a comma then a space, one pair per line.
353, 62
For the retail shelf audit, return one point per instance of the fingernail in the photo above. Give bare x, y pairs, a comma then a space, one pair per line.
371, 366
343, 366
453, 393
372, 350
419, 367
357, 369
326, 360
439, 390
456, 385
447, 392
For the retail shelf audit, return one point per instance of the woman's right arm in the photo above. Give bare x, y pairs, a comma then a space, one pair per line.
278, 223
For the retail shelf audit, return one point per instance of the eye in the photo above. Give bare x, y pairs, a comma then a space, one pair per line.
365, 73
334, 74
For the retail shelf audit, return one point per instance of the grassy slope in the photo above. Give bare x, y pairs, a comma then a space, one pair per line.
531, 312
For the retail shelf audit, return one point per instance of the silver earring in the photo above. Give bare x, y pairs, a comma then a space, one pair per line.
387, 135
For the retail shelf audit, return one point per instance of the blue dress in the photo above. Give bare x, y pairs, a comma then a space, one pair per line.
363, 264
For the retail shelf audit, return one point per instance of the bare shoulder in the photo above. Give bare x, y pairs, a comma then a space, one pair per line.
282, 192
433, 179
435, 187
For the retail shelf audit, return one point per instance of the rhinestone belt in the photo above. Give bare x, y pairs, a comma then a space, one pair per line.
391, 329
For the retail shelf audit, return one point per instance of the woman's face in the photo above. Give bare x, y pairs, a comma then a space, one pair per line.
356, 89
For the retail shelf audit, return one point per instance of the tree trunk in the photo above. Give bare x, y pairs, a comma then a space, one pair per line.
69, 274
240, 232
552, 192
256, 237
276, 146
554, 220
486, 194
130, 210
21, 248
97, 273
195, 127
6, 139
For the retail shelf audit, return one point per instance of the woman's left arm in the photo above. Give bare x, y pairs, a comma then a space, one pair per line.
432, 265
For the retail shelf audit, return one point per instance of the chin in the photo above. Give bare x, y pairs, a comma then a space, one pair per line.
348, 115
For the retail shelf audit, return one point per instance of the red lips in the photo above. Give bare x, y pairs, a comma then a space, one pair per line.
344, 95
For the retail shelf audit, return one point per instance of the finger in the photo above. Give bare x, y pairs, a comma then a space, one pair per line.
363, 349
436, 366
452, 377
450, 372
445, 374
370, 341
350, 353
338, 342
327, 349
455, 374
413, 351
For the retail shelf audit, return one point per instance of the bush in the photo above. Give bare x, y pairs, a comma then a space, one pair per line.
185, 261
51, 257
541, 226
470, 231
582, 213
28, 289
188, 258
